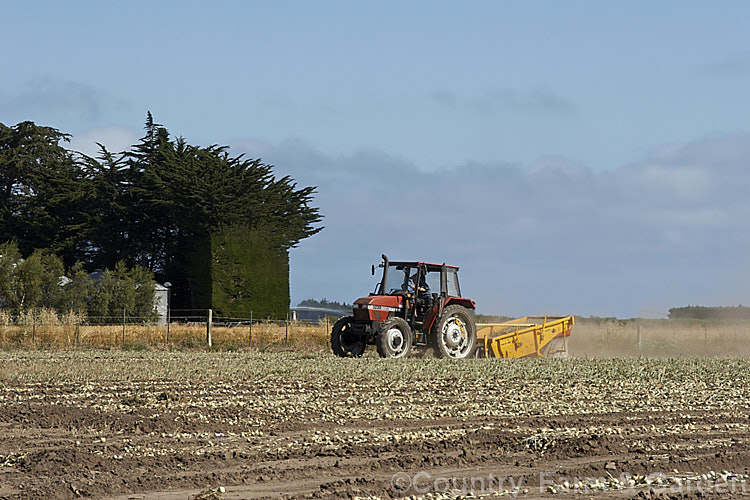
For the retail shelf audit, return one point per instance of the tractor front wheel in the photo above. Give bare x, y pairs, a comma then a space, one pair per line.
394, 339
455, 334
344, 341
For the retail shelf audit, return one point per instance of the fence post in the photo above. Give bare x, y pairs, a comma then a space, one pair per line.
639, 336
286, 330
168, 285
209, 321
250, 334
123, 326
33, 326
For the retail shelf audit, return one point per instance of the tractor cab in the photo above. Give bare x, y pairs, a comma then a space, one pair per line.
422, 285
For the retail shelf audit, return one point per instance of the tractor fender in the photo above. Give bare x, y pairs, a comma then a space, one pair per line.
467, 303
432, 317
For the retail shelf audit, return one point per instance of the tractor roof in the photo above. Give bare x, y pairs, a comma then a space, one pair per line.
432, 265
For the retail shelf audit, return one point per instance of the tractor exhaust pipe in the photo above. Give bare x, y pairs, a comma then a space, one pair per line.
385, 273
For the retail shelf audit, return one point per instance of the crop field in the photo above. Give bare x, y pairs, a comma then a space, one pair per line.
250, 424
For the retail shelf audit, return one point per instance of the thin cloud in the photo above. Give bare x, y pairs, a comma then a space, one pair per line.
495, 100
734, 66
49, 95
115, 139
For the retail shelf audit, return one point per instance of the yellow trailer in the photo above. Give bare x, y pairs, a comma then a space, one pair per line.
530, 336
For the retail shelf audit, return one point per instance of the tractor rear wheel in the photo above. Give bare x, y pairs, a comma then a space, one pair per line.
394, 339
344, 341
455, 333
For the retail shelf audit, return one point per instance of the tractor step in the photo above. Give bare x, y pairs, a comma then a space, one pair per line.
420, 338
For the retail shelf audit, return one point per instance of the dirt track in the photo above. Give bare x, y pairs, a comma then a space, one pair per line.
129, 426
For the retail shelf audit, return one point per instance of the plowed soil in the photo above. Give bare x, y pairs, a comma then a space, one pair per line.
176, 425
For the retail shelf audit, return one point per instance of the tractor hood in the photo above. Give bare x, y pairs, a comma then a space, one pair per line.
377, 307
379, 300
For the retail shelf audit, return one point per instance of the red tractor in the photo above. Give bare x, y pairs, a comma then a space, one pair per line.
415, 303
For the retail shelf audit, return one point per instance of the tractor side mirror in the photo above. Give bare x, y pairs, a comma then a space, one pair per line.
373, 269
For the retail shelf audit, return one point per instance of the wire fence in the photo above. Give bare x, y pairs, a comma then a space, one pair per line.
193, 328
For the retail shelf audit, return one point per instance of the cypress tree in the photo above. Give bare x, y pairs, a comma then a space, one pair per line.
42, 190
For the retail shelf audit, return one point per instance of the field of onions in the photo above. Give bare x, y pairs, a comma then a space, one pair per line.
178, 424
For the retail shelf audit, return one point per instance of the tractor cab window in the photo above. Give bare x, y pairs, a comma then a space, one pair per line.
453, 289
397, 279
433, 281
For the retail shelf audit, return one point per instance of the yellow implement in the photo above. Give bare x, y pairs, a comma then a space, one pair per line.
534, 336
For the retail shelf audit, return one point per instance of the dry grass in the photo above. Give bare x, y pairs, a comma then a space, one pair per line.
659, 338
592, 337
69, 335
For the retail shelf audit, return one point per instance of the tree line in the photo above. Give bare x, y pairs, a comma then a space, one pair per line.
218, 227
703, 312
326, 304
41, 281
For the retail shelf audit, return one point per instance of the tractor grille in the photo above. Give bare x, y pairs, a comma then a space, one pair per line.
362, 314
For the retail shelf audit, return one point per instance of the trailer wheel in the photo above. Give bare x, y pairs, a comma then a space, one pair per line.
344, 342
394, 339
455, 334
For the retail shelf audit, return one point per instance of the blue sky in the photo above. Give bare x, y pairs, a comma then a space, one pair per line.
580, 157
